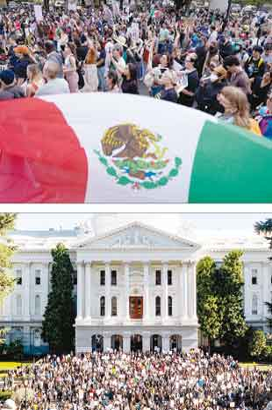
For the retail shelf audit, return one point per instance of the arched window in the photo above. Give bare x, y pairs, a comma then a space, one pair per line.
158, 306
170, 306
19, 305
102, 306
254, 305
114, 306
37, 305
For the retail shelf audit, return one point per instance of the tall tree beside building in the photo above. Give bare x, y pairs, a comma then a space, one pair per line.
7, 221
220, 299
209, 316
264, 228
59, 317
229, 289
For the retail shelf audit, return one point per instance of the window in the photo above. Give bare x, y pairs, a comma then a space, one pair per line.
114, 306
169, 278
158, 277
37, 338
18, 276
102, 278
102, 306
19, 305
158, 306
170, 306
254, 305
37, 305
113, 278
254, 280
37, 277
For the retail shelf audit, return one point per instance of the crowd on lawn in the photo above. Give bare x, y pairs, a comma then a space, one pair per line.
197, 59
114, 380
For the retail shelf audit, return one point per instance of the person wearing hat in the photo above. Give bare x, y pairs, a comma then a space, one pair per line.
255, 65
206, 95
9, 90
24, 59
9, 405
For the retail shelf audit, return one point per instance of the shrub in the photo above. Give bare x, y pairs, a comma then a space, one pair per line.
5, 395
257, 345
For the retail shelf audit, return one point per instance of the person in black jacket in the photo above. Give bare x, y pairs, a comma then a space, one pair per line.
130, 83
8, 88
206, 95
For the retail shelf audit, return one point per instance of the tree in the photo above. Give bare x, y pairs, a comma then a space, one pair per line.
264, 228
258, 344
59, 317
220, 299
207, 303
229, 282
269, 319
7, 221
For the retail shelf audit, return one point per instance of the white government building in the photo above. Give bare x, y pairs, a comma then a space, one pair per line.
135, 283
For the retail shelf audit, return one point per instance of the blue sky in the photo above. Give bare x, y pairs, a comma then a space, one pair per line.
203, 221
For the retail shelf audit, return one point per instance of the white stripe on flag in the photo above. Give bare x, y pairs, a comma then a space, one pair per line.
91, 115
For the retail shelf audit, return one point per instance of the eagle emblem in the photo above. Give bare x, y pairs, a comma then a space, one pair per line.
135, 156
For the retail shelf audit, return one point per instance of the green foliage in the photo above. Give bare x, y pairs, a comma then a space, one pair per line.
220, 301
14, 349
269, 319
265, 228
59, 317
7, 221
5, 395
257, 345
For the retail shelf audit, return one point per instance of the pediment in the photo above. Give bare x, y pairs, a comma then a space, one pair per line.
137, 235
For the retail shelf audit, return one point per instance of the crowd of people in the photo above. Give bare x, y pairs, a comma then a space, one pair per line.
137, 381
199, 60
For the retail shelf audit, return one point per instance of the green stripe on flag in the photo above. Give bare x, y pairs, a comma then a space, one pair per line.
231, 165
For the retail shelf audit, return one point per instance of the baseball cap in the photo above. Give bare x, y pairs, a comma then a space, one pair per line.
7, 76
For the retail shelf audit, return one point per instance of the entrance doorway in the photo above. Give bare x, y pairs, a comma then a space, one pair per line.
136, 307
156, 343
117, 342
176, 343
136, 343
97, 343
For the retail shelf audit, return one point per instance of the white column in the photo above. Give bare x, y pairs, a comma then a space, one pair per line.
88, 272
107, 291
194, 291
190, 290
247, 302
146, 291
126, 342
146, 342
165, 342
107, 341
80, 290
184, 290
26, 289
164, 292
127, 315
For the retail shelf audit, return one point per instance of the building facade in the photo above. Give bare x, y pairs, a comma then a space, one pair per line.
135, 285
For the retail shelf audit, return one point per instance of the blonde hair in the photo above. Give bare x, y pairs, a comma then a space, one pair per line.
34, 71
239, 103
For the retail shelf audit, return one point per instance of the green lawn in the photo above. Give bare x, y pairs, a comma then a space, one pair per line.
12, 365
261, 366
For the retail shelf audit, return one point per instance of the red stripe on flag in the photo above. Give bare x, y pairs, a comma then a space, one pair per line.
41, 159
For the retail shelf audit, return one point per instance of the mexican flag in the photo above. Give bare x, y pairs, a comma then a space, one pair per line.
110, 148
